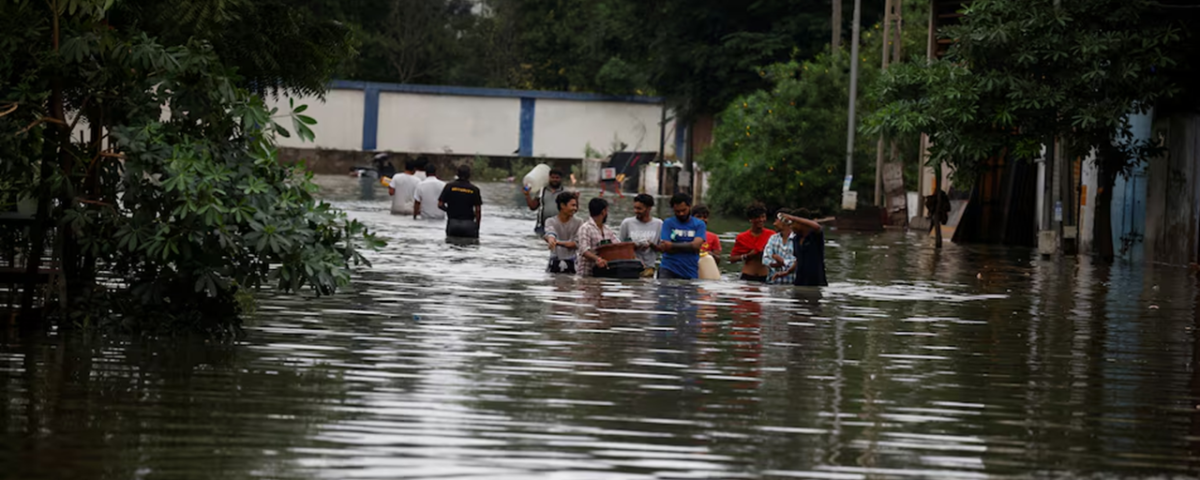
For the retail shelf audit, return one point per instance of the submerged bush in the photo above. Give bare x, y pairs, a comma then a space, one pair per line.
174, 205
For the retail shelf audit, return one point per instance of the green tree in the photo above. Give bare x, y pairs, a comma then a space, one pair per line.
786, 146
1025, 72
173, 203
276, 45
494, 45
705, 53
580, 45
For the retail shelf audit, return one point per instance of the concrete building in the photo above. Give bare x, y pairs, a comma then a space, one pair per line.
1155, 211
461, 122
1172, 208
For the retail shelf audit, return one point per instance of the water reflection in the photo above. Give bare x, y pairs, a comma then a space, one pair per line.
453, 361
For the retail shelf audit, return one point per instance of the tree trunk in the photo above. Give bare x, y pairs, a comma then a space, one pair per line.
84, 279
50, 148
836, 42
1102, 225
937, 202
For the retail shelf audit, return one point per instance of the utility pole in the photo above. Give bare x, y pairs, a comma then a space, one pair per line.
662, 148
887, 30
891, 15
850, 124
836, 43
930, 55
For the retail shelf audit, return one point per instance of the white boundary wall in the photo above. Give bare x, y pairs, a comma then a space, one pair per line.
339, 120
564, 128
361, 116
446, 124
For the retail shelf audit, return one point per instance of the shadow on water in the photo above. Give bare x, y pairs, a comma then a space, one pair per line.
462, 241
468, 361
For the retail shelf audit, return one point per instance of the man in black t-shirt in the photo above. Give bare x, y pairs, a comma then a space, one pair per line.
463, 205
808, 245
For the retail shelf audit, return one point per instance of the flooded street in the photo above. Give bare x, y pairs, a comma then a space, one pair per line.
467, 361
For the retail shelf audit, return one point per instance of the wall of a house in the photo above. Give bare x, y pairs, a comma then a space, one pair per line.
359, 117
1173, 193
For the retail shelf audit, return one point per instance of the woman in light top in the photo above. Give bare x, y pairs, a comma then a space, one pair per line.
778, 255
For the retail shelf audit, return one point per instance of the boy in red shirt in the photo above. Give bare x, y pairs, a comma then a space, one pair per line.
750, 244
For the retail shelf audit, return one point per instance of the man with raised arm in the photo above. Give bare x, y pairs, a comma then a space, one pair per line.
808, 244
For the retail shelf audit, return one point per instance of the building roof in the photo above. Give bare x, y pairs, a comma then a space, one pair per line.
490, 92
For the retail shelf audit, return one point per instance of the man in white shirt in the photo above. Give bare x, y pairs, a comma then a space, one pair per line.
403, 188
644, 231
425, 200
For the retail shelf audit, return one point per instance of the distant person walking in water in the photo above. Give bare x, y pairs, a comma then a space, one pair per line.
750, 244
561, 232
421, 162
425, 200
808, 242
383, 164
544, 202
779, 254
402, 189
681, 239
644, 231
463, 205
593, 234
712, 243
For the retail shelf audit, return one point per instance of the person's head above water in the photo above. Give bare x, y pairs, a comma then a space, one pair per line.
464, 173
568, 204
642, 205
781, 224
555, 179
756, 213
598, 209
800, 227
681, 203
701, 212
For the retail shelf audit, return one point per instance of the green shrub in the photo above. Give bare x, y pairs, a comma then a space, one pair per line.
787, 146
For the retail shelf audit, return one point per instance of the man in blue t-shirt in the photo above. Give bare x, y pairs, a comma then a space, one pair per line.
682, 237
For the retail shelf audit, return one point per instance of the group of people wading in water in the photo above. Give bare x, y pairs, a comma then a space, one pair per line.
793, 253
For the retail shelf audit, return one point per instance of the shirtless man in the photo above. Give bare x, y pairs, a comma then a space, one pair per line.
750, 245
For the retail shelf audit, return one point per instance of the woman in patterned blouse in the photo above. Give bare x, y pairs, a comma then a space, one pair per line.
778, 254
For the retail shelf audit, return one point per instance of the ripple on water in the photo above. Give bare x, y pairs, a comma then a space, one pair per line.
447, 361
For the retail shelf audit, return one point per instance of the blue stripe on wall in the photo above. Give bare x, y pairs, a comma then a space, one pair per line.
370, 117
680, 139
526, 143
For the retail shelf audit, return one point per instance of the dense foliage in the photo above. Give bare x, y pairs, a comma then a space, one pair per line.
288, 45
157, 165
704, 54
786, 146
700, 55
1024, 72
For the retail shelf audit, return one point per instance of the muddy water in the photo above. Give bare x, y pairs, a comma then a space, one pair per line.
451, 361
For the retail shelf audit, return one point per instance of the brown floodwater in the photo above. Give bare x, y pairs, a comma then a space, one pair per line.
453, 361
